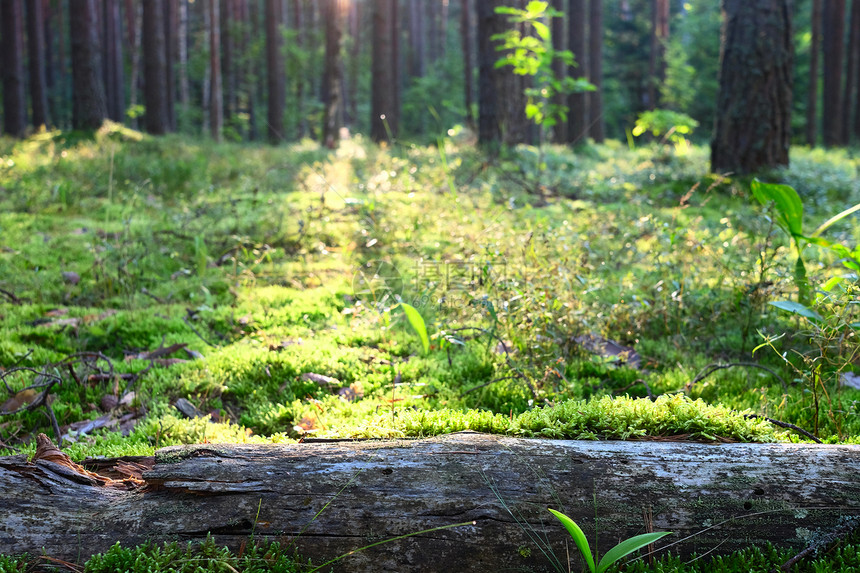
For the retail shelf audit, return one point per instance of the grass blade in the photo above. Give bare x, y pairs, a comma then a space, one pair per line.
578, 538
627, 547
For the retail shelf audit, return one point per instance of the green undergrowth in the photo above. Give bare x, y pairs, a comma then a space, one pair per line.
263, 556
280, 269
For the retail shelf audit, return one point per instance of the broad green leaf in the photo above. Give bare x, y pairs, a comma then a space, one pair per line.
537, 7
803, 294
823, 227
789, 207
578, 537
627, 547
542, 30
417, 321
796, 308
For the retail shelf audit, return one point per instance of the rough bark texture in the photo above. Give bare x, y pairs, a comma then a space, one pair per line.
383, 107
489, 130
753, 122
12, 23
833, 40
334, 11
275, 72
88, 107
577, 123
812, 94
156, 119
729, 496
36, 50
113, 65
596, 126
657, 60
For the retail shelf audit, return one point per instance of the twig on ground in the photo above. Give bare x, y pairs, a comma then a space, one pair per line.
194, 330
152, 296
11, 296
840, 532
786, 425
711, 368
651, 396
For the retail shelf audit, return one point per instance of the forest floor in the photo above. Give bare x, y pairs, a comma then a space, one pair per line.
261, 289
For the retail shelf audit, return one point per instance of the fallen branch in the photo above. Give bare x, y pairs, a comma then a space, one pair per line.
785, 425
711, 368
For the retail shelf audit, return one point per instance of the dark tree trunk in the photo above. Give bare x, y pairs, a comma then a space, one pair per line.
36, 49
216, 101
383, 114
577, 124
14, 101
113, 66
431, 25
489, 130
275, 71
156, 120
416, 39
753, 122
89, 109
467, 41
833, 38
812, 94
134, 24
443, 29
354, 61
51, 72
559, 69
334, 11
657, 60
851, 71
182, 48
228, 64
297, 23
714, 498
171, 20
595, 68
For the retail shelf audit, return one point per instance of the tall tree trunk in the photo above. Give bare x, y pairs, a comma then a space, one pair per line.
36, 50
88, 102
416, 39
657, 60
595, 69
228, 61
297, 23
577, 118
812, 94
254, 79
431, 24
559, 69
833, 39
354, 61
334, 11
206, 87
753, 122
466, 40
275, 71
171, 21
383, 88
65, 81
113, 66
51, 73
134, 20
443, 29
216, 104
489, 130
182, 47
14, 102
156, 119
851, 71
397, 64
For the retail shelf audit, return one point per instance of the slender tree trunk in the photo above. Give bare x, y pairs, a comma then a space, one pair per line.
383, 89
14, 102
558, 67
754, 105
443, 29
416, 39
156, 119
134, 15
489, 130
275, 71
65, 81
182, 47
333, 11
206, 87
833, 38
89, 110
227, 61
171, 21
812, 94
253, 79
466, 39
354, 61
431, 24
36, 50
51, 73
397, 64
851, 71
657, 60
216, 105
113, 65
577, 126
298, 26
595, 69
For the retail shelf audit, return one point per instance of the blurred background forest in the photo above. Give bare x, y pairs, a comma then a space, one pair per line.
246, 70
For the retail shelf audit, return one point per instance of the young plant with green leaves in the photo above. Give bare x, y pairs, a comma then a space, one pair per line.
618, 552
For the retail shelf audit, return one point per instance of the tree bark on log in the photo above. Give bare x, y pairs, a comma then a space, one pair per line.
713, 497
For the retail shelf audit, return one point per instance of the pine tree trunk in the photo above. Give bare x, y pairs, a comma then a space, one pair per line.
88, 103
416, 39
36, 52
467, 42
113, 68
216, 104
577, 125
833, 37
333, 11
559, 42
657, 60
812, 94
851, 71
275, 72
595, 68
754, 104
154, 75
182, 47
14, 102
51, 73
383, 88
134, 16
354, 62
489, 130
171, 22
297, 23
228, 61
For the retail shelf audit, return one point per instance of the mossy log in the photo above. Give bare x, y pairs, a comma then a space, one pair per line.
335, 497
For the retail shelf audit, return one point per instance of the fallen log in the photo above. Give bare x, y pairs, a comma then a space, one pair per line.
332, 498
